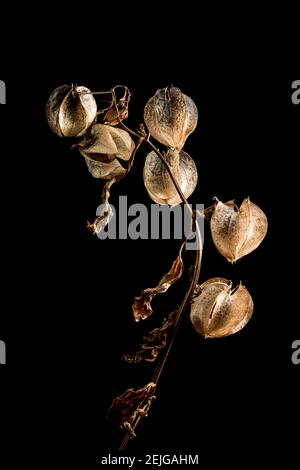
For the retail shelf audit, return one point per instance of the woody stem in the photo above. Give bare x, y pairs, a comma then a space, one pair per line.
197, 266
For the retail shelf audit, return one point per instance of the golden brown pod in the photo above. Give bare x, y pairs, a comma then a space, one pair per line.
105, 146
71, 110
157, 180
170, 117
236, 232
218, 310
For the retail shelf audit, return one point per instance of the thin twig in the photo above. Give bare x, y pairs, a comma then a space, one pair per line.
184, 305
142, 136
197, 266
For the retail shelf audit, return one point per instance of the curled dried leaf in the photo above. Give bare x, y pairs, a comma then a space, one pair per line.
237, 232
131, 405
171, 116
157, 180
153, 343
141, 307
105, 212
219, 310
118, 111
104, 216
71, 110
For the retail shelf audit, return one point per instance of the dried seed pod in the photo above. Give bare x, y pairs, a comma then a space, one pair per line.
105, 145
157, 180
236, 232
218, 310
105, 171
171, 116
70, 110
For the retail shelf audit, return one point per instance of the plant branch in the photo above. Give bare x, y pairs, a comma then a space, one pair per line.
141, 134
179, 316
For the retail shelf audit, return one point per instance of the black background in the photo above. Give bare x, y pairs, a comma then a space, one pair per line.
66, 315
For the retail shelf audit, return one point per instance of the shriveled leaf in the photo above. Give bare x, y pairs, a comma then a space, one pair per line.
153, 343
142, 308
118, 111
104, 216
218, 310
131, 405
105, 213
113, 118
237, 232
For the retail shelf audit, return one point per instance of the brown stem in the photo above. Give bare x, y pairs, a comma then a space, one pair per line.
197, 266
184, 305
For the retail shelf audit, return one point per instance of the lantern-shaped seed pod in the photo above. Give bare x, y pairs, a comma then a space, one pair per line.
218, 310
157, 180
107, 144
170, 117
236, 232
71, 110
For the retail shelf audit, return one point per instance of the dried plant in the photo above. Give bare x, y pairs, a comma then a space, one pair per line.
170, 177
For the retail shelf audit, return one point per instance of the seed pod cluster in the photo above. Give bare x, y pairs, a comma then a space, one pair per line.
170, 117
71, 112
218, 309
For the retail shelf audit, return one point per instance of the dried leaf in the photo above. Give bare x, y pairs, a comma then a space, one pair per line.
237, 232
153, 343
106, 213
103, 218
132, 404
118, 111
218, 310
142, 305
